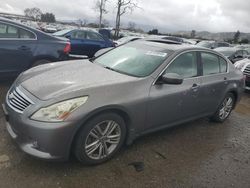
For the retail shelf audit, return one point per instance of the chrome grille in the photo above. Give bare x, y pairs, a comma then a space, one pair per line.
18, 101
247, 70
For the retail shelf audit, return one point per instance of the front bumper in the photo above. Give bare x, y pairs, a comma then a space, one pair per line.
49, 141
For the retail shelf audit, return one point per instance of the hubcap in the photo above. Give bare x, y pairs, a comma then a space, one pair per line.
226, 108
103, 139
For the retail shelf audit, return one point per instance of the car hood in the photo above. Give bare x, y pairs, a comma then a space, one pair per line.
54, 79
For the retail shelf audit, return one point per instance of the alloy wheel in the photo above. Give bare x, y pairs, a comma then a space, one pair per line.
226, 108
103, 139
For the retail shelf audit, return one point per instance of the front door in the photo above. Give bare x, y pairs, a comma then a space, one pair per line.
170, 104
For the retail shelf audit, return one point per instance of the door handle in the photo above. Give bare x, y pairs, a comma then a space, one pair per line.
24, 48
195, 87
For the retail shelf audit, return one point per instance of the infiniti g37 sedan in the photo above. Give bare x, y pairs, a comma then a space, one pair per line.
92, 107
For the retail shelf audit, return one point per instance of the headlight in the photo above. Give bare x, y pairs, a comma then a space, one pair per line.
60, 111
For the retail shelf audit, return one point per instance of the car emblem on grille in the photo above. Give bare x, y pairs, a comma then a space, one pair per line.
11, 96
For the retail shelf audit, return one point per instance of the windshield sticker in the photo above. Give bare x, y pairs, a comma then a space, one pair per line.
160, 54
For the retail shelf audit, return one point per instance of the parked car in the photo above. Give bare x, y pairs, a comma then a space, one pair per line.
85, 42
213, 44
92, 107
22, 47
243, 46
233, 54
244, 66
127, 39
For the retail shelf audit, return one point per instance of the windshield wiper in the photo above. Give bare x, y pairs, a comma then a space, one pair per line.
109, 68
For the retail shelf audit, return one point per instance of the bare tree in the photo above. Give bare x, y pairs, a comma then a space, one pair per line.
34, 13
101, 8
123, 6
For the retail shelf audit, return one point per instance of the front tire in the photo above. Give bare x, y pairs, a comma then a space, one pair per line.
225, 109
100, 139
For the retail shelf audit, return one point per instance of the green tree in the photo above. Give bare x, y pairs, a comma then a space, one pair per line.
193, 34
237, 37
153, 32
48, 17
244, 41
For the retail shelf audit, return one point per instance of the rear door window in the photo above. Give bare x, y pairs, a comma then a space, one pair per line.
210, 63
78, 35
94, 36
223, 65
24, 34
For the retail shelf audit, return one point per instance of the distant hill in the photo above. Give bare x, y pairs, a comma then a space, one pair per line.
215, 36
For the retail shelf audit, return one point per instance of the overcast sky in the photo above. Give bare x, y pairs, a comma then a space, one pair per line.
166, 15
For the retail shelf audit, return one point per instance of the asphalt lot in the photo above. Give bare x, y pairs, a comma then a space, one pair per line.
196, 154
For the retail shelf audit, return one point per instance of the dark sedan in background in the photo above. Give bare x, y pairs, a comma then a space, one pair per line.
97, 105
85, 42
233, 54
22, 47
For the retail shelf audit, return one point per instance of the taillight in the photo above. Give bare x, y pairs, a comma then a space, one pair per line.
67, 48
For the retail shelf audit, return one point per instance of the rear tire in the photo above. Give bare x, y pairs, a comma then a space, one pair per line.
40, 62
224, 109
100, 139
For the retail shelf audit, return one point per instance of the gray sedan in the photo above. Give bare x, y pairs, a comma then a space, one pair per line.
92, 107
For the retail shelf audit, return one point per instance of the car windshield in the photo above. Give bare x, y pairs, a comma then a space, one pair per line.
204, 44
226, 52
135, 59
62, 32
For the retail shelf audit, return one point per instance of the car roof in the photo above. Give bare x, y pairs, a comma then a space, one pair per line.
169, 45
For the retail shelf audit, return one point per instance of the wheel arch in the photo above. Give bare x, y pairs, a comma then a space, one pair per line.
235, 93
122, 112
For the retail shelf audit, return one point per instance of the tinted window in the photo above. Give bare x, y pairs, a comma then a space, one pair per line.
7, 31
78, 35
12, 32
223, 65
211, 64
94, 36
184, 65
23, 34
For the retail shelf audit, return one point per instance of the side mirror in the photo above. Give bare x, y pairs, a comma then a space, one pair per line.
102, 51
171, 78
67, 36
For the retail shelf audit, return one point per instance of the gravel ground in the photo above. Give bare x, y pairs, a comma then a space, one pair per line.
196, 154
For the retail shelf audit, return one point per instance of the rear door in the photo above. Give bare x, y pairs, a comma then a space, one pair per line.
214, 81
77, 40
94, 42
16, 49
170, 104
